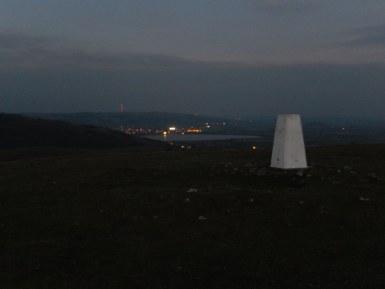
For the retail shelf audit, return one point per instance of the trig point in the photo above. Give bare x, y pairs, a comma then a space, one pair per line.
289, 146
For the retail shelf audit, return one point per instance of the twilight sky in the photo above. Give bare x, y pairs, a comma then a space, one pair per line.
247, 57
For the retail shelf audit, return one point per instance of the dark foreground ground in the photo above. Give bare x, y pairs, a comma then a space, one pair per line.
195, 219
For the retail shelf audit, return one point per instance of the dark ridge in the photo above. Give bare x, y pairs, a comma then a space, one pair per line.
19, 131
141, 119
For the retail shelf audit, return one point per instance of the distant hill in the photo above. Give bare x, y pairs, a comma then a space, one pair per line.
318, 130
162, 120
20, 131
136, 119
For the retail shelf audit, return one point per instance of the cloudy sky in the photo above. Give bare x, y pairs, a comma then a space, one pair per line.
222, 57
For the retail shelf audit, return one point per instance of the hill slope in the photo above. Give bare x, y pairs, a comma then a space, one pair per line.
192, 219
20, 131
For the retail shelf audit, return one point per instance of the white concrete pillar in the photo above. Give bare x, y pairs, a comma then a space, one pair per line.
289, 146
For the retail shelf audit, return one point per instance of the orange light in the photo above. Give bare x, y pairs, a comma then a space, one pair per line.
194, 130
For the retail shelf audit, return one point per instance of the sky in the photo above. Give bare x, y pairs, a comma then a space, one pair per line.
218, 57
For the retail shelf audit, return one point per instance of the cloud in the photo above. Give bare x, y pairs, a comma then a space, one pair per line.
367, 36
285, 5
17, 49
201, 88
17, 41
38, 74
33, 52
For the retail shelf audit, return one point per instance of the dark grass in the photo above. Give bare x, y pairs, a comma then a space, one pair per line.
124, 219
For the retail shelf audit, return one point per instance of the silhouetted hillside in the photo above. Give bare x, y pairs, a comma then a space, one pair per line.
20, 131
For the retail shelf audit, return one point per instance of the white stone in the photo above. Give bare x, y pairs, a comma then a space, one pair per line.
289, 146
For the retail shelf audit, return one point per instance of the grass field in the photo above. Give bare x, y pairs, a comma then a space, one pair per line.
194, 219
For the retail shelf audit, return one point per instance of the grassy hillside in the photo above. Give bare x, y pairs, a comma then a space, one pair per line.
198, 219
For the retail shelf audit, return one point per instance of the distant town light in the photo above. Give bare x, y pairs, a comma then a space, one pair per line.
165, 133
194, 130
254, 148
172, 128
